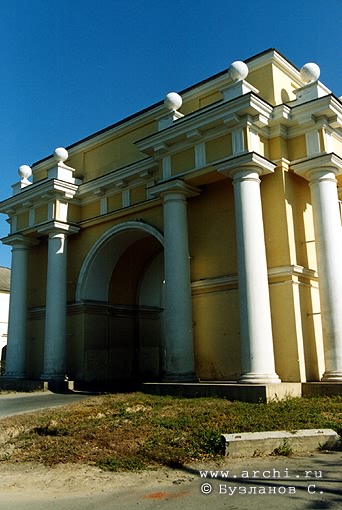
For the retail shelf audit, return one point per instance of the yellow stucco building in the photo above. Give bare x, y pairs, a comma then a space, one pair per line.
199, 239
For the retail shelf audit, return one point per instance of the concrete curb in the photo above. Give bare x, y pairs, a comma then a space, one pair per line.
279, 442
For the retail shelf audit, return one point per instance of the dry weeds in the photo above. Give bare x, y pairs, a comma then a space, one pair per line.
135, 431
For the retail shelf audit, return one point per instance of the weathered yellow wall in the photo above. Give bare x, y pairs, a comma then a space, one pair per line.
283, 86
263, 80
91, 210
22, 221
287, 334
212, 232
278, 148
300, 221
218, 148
274, 215
38, 175
216, 334
312, 330
264, 147
138, 194
193, 104
74, 213
119, 152
182, 161
296, 147
41, 213
210, 99
297, 329
114, 202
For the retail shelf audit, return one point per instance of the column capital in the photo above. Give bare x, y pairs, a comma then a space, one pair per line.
19, 240
318, 167
237, 166
57, 227
174, 186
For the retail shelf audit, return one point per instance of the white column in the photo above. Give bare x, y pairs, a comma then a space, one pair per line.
17, 325
255, 316
56, 299
178, 352
328, 240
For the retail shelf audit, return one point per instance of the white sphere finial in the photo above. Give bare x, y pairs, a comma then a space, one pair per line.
310, 72
60, 154
173, 101
238, 71
24, 172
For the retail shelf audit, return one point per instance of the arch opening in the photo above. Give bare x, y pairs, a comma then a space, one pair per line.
121, 292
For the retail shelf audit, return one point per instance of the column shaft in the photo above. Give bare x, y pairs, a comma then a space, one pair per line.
255, 316
328, 239
55, 320
17, 324
178, 355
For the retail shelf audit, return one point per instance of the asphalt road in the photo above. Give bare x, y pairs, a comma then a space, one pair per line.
275, 483
12, 404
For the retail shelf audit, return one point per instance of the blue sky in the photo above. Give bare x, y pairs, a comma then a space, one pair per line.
72, 67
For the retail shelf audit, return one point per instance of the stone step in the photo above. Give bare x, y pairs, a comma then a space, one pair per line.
254, 444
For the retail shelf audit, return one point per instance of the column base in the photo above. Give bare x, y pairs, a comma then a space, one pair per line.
187, 377
256, 378
332, 376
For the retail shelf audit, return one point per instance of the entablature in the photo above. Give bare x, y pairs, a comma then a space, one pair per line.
208, 122
40, 193
136, 174
324, 111
38, 203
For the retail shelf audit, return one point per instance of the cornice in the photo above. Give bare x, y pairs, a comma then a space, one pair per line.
230, 282
117, 179
328, 107
219, 284
233, 164
292, 270
104, 308
224, 113
19, 239
291, 120
174, 186
55, 226
41, 192
130, 211
307, 167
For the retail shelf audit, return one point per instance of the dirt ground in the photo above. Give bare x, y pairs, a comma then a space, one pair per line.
73, 479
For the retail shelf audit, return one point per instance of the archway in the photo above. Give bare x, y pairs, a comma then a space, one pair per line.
121, 287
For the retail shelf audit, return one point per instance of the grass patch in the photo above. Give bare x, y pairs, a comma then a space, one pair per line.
136, 431
283, 449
